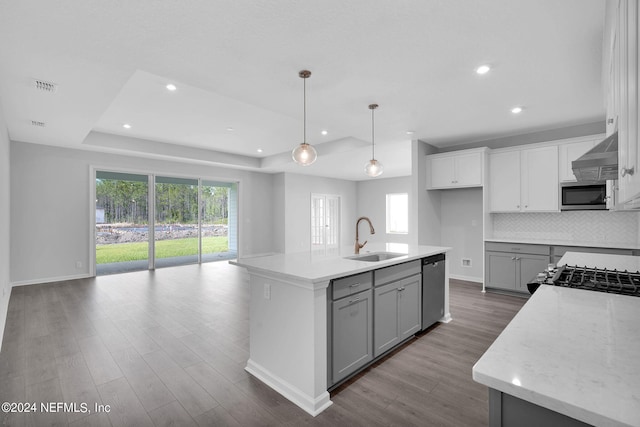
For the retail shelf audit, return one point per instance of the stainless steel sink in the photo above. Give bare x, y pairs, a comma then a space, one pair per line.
375, 256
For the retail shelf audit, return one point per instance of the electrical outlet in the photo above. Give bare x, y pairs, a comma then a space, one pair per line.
267, 291
466, 262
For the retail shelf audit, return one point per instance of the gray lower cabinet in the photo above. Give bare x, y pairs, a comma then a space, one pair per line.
506, 410
510, 267
397, 308
352, 334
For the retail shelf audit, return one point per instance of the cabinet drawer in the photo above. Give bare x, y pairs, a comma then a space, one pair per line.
397, 272
351, 285
517, 248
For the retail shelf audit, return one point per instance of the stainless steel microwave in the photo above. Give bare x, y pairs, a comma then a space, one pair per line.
583, 195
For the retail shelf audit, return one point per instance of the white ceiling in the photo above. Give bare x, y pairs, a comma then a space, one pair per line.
236, 65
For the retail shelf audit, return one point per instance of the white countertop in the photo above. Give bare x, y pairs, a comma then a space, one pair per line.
572, 351
319, 268
608, 261
561, 242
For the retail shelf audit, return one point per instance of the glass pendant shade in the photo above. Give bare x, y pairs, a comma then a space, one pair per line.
374, 168
304, 154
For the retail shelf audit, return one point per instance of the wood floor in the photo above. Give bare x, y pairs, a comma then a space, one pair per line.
169, 348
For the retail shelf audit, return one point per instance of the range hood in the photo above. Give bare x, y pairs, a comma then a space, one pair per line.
600, 163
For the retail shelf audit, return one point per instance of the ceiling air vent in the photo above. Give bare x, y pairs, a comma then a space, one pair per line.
45, 86
37, 123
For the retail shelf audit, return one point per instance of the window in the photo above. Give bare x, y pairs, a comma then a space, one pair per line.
398, 213
325, 223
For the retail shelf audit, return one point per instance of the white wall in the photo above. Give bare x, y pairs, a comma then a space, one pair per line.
461, 229
279, 213
297, 208
372, 203
5, 289
50, 208
424, 206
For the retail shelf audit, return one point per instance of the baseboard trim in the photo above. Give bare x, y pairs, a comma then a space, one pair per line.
4, 312
50, 280
466, 278
313, 406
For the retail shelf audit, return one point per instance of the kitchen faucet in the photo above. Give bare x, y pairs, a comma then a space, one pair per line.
358, 245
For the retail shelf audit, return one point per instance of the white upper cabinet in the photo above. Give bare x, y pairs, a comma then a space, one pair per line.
624, 75
570, 152
504, 181
464, 168
524, 180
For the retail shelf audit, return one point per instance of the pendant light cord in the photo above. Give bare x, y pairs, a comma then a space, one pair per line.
304, 109
373, 142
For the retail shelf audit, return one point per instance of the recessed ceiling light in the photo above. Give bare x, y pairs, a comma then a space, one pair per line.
171, 87
483, 69
516, 110
259, 150
324, 132
126, 126
230, 129
410, 132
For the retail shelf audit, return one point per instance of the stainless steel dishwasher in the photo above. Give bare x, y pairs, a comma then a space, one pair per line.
432, 289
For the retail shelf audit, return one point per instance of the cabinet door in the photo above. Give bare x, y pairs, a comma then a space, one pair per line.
570, 152
501, 270
441, 171
529, 266
352, 334
540, 180
468, 170
386, 327
504, 182
629, 114
409, 306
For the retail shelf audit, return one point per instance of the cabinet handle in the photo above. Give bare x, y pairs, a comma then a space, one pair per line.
513, 258
627, 171
518, 206
610, 121
517, 259
401, 289
354, 285
356, 299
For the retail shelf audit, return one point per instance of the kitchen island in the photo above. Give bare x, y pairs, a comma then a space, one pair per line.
288, 315
568, 355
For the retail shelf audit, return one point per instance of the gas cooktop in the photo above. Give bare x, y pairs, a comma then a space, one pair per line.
593, 279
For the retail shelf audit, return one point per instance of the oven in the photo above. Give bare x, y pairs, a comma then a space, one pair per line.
585, 195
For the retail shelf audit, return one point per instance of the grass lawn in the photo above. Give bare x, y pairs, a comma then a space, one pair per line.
120, 252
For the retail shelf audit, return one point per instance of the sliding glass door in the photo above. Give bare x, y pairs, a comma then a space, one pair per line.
176, 221
122, 224
192, 221
218, 220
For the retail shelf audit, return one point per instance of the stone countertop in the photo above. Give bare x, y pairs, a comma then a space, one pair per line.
561, 242
313, 268
608, 261
572, 351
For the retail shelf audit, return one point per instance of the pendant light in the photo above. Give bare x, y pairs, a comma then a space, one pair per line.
304, 154
373, 168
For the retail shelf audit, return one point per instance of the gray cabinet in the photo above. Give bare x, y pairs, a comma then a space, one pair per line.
510, 266
352, 334
397, 308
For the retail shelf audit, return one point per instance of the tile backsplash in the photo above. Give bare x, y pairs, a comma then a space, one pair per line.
583, 226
